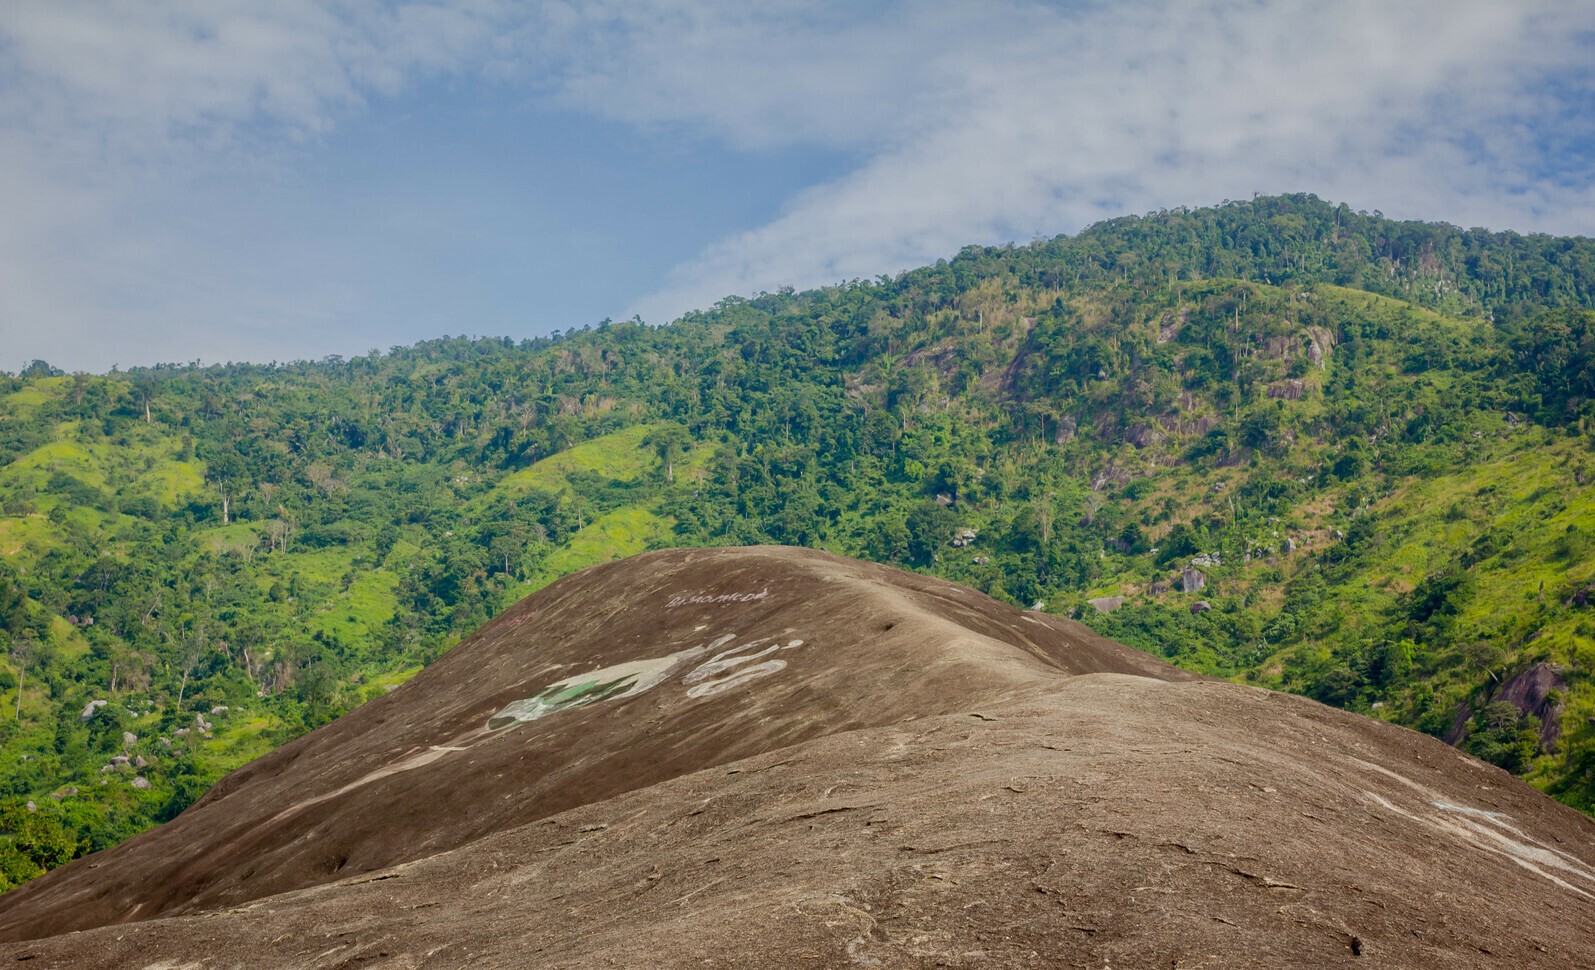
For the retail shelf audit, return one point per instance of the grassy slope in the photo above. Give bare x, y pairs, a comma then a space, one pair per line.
619, 457
1525, 488
616, 535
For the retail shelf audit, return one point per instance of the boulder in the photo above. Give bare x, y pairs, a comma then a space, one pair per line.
1539, 691
1193, 581
1067, 425
1320, 341
1291, 389
1144, 436
1106, 604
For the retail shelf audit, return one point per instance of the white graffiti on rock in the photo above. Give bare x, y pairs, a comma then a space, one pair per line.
713, 599
723, 671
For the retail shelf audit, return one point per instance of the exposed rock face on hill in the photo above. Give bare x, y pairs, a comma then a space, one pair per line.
776, 757
1538, 691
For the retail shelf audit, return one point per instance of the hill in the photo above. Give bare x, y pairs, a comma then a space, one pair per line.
1276, 441
779, 757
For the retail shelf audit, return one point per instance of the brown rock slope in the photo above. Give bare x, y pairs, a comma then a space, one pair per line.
776, 757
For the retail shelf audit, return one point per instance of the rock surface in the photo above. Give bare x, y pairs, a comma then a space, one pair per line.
1106, 604
1538, 691
814, 762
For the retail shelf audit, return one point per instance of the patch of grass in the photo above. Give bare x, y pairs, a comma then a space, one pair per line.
355, 615
28, 397
318, 566
1376, 301
620, 456
61, 455
40, 390
240, 738
170, 481
30, 534
141, 461
1529, 497
693, 464
402, 552
378, 684
240, 538
621, 533
67, 639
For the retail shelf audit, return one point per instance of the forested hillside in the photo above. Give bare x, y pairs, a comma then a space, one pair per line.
1276, 440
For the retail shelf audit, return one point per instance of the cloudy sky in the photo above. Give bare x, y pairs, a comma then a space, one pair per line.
202, 179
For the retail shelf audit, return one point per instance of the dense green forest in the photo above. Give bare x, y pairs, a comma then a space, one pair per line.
1276, 440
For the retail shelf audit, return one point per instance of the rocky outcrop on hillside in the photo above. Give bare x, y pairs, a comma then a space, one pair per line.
778, 757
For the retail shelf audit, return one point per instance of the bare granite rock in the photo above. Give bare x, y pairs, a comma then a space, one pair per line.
863, 768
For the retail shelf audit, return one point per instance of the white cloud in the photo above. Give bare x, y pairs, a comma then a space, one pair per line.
148, 74
969, 123
116, 120
1039, 120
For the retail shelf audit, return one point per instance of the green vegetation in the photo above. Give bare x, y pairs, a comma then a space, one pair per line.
1370, 443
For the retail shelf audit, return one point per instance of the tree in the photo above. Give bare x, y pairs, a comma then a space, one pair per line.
22, 654
507, 548
41, 368
669, 441
225, 471
146, 384
930, 527
187, 636
13, 601
1043, 510
34, 842
1505, 736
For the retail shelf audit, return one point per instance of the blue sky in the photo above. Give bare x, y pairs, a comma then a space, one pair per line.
200, 179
